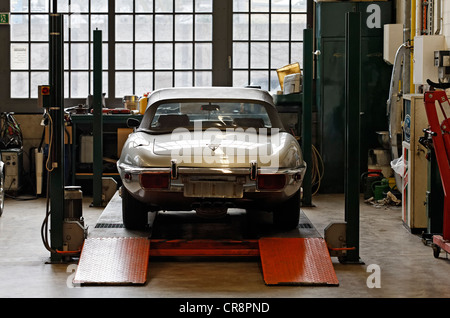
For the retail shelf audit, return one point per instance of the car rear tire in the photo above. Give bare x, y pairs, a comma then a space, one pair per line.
134, 212
287, 216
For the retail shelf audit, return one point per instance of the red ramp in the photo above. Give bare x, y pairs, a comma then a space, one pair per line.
296, 261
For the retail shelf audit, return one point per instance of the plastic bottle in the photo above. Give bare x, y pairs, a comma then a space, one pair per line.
143, 103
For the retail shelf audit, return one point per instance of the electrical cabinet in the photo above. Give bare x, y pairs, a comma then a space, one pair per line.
13, 160
330, 82
424, 48
414, 185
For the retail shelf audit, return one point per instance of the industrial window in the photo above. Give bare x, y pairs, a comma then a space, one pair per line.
29, 45
154, 44
162, 43
267, 35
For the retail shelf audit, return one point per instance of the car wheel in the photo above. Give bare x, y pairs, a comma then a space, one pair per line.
134, 212
287, 216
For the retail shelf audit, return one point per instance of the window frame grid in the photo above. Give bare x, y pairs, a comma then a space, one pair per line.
249, 12
173, 42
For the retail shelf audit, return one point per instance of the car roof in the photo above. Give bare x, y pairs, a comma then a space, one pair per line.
210, 93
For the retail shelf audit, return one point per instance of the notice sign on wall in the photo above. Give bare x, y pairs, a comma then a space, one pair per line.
4, 17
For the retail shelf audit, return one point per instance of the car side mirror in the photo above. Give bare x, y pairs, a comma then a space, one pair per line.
133, 123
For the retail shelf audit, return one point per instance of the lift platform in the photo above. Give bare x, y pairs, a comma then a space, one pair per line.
123, 257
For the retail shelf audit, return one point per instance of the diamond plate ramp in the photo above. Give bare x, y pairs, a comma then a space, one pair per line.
113, 261
296, 261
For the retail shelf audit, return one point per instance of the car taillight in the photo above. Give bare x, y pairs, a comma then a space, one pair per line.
154, 180
271, 181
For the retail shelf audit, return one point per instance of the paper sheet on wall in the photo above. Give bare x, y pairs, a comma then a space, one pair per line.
19, 57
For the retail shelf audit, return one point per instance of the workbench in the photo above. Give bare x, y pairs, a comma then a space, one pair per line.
82, 125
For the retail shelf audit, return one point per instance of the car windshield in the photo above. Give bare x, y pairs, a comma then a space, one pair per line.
210, 114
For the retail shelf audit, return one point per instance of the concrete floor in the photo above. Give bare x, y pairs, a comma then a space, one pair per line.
408, 268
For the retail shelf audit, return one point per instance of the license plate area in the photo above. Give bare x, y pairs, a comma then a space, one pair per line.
213, 187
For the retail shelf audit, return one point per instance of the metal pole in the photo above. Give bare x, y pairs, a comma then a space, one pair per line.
352, 132
98, 121
56, 111
306, 113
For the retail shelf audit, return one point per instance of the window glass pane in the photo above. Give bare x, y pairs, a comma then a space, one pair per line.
203, 6
19, 85
20, 56
39, 6
240, 55
39, 56
297, 53
163, 28
79, 26
259, 27
143, 28
144, 5
124, 28
203, 79
66, 85
39, 27
79, 56
37, 78
298, 24
144, 56
79, 84
163, 56
259, 56
184, 5
100, 22
274, 81
99, 5
280, 5
144, 82
79, 6
203, 27
123, 6
183, 79
259, 5
66, 28
163, 5
240, 27
240, 78
298, 5
259, 78
124, 56
163, 79
66, 56
124, 84
184, 27
240, 5
279, 55
183, 56
280, 27
63, 6
19, 27
19, 6
203, 56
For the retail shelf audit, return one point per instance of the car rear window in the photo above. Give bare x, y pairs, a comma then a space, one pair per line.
210, 114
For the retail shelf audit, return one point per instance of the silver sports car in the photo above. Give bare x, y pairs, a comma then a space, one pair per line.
208, 150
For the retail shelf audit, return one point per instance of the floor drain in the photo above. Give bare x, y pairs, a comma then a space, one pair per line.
108, 226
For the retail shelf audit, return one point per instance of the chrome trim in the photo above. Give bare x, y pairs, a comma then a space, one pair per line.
200, 170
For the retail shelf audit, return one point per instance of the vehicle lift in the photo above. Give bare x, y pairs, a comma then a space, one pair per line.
284, 260
440, 136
